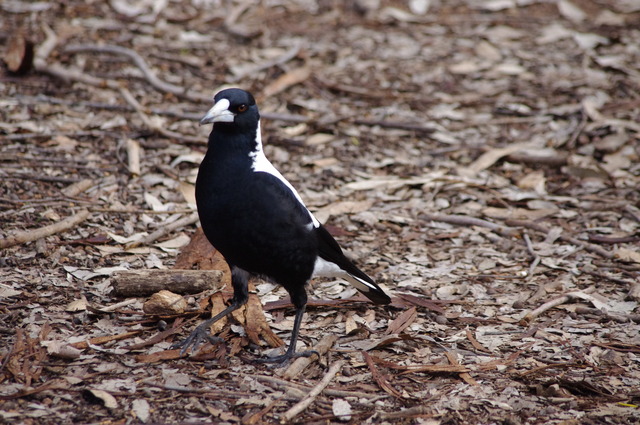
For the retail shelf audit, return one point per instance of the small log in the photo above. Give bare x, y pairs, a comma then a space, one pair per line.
142, 283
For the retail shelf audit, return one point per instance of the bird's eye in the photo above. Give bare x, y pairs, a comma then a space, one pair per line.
242, 108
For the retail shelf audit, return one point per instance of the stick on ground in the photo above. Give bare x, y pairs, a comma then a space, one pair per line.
301, 363
42, 232
554, 303
461, 220
302, 405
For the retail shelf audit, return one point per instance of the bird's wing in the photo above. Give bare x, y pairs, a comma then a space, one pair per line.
262, 164
331, 258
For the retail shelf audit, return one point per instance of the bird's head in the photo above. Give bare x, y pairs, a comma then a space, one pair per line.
233, 107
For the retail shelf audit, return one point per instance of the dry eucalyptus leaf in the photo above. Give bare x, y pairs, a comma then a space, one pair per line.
141, 409
77, 305
107, 399
629, 255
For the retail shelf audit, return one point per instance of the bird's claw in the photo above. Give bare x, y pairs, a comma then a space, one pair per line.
284, 358
193, 341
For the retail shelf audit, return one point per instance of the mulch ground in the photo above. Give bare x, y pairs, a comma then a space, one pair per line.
480, 160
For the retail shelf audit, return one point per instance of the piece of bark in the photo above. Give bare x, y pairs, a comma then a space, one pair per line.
77, 188
200, 254
464, 375
165, 303
18, 56
133, 156
634, 292
252, 318
142, 283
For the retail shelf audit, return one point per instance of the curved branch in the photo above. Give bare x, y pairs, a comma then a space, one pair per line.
139, 62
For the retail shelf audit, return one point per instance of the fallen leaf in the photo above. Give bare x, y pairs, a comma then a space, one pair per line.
6, 291
489, 158
77, 305
18, 55
341, 409
107, 399
571, 11
403, 321
141, 409
291, 78
340, 208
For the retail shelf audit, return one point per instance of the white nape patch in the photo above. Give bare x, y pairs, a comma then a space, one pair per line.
260, 163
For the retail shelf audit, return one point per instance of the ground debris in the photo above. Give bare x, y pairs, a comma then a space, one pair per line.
478, 159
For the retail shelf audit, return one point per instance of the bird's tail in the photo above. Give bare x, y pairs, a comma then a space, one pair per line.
368, 288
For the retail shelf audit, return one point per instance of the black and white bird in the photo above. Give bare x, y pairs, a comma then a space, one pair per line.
257, 220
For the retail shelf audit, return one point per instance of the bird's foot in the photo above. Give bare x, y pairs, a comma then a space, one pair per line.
286, 357
200, 334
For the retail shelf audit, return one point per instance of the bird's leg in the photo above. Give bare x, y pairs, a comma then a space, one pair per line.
239, 281
291, 350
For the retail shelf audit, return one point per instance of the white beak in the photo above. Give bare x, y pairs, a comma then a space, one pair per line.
218, 113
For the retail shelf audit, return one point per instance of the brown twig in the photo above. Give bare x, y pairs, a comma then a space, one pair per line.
632, 211
571, 142
451, 356
552, 366
618, 317
139, 62
532, 252
52, 134
554, 303
472, 339
104, 339
40, 64
540, 228
301, 363
280, 60
411, 412
380, 379
42, 232
303, 404
256, 418
613, 240
300, 387
151, 238
556, 159
462, 220
131, 100
191, 116
68, 74
77, 187
396, 124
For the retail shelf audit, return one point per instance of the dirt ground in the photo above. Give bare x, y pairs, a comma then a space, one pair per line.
479, 159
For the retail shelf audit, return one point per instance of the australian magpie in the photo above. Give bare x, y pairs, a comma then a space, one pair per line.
257, 220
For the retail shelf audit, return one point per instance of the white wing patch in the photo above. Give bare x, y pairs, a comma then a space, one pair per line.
260, 163
324, 268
